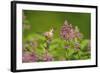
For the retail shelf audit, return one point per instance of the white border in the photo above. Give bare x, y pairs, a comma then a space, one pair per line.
21, 66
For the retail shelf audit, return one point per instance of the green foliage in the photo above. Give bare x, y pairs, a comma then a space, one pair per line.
57, 48
84, 45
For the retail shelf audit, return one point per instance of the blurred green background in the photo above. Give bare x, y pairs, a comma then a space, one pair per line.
42, 21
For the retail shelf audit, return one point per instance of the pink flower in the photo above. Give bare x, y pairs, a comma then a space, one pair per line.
28, 57
47, 57
67, 32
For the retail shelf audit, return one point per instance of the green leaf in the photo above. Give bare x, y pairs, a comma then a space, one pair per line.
84, 44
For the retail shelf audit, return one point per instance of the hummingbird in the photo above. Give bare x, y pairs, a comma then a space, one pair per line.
49, 34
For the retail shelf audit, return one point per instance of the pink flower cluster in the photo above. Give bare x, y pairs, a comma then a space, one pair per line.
47, 57
29, 57
67, 32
